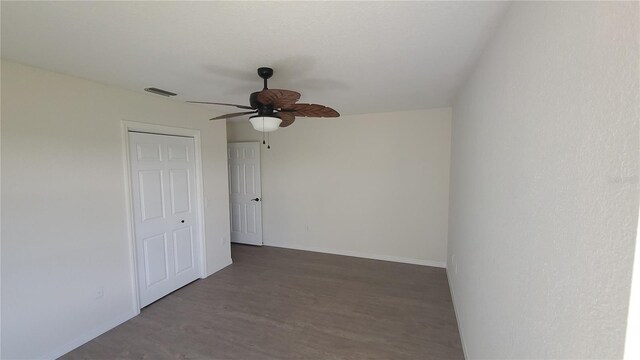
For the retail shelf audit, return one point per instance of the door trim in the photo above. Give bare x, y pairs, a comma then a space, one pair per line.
134, 126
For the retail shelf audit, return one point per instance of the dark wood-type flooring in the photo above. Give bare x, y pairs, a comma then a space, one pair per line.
286, 304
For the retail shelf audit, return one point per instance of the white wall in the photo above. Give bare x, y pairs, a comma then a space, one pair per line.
368, 185
64, 224
631, 345
544, 190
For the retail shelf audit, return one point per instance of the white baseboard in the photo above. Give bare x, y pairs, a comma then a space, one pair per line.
440, 264
89, 335
455, 310
219, 267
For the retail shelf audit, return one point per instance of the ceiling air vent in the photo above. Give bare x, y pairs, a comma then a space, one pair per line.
159, 91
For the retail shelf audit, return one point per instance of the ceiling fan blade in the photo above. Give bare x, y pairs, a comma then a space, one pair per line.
278, 97
225, 104
310, 110
287, 118
287, 123
227, 116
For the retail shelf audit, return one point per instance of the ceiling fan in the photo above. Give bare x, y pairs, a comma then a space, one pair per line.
274, 108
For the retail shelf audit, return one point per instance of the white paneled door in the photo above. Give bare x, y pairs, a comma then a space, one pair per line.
245, 194
165, 218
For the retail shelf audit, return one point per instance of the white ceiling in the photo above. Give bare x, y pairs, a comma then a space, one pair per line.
358, 57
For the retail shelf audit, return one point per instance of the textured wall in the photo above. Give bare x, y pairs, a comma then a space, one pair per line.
544, 191
374, 185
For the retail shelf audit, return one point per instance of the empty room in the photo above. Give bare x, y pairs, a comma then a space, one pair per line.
319, 180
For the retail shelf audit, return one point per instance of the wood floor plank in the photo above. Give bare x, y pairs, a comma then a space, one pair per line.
277, 303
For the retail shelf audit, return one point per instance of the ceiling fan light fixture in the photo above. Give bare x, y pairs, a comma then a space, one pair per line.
265, 123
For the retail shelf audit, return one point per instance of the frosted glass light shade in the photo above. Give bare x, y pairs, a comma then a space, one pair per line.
265, 123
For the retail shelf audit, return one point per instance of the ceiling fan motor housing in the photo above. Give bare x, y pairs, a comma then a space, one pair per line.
265, 109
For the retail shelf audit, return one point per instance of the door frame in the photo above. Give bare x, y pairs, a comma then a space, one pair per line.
134, 126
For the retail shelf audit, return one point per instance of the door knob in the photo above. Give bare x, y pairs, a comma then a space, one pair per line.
182, 221
256, 199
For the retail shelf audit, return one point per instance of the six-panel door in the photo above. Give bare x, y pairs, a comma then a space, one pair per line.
165, 219
245, 195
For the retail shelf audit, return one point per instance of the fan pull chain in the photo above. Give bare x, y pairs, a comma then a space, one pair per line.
268, 146
263, 142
